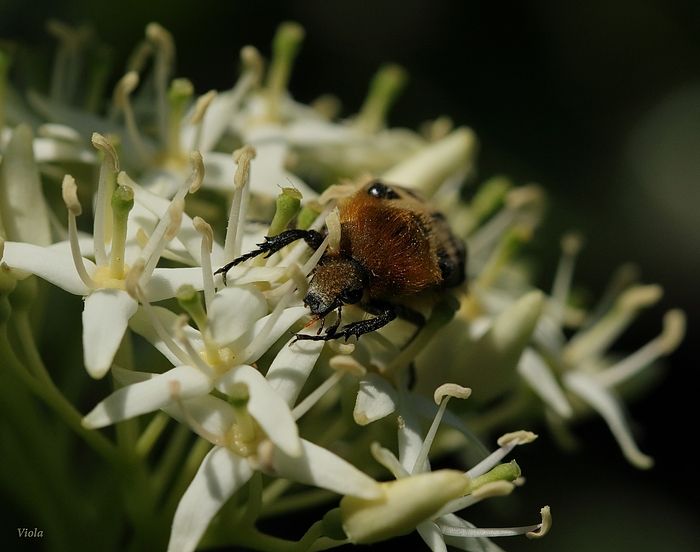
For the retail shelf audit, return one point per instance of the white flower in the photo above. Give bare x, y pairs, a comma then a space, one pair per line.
108, 306
427, 500
255, 431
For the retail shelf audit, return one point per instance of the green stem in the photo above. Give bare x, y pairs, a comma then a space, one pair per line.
48, 392
194, 459
26, 337
172, 458
252, 508
150, 435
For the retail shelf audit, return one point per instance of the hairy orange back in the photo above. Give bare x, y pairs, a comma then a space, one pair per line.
392, 240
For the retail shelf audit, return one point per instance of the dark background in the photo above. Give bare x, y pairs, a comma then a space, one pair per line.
598, 101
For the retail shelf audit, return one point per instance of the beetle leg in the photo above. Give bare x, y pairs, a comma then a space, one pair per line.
272, 244
365, 326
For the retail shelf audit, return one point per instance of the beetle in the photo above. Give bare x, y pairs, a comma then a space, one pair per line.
393, 245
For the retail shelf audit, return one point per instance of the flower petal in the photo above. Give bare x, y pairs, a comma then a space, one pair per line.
234, 310
149, 395
164, 282
52, 150
23, 209
410, 439
219, 169
321, 468
292, 367
266, 406
608, 406
52, 265
141, 324
188, 237
219, 476
207, 416
105, 318
267, 170
376, 399
537, 374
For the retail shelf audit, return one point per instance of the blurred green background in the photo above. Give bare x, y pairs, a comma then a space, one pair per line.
597, 101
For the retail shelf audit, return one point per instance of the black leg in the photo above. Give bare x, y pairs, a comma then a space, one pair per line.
355, 328
273, 244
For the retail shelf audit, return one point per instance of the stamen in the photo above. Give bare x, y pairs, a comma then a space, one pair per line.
196, 178
164, 45
531, 531
131, 282
69, 190
511, 242
236, 218
253, 65
489, 197
437, 128
207, 244
671, 336
122, 203
545, 526
164, 232
596, 339
506, 443
517, 202
122, 101
342, 366
139, 56
194, 358
315, 258
109, 166
98, 75
622, 278
333, 225
385, 87
570, 246
442, 396
179, 95
285, 47
200, 110
67, 63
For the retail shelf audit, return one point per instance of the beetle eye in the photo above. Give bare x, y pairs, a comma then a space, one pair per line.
352, 296
381, 191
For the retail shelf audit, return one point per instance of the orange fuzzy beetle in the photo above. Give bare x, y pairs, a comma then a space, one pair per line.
392, 245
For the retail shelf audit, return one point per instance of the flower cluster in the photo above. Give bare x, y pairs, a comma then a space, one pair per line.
283, 423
